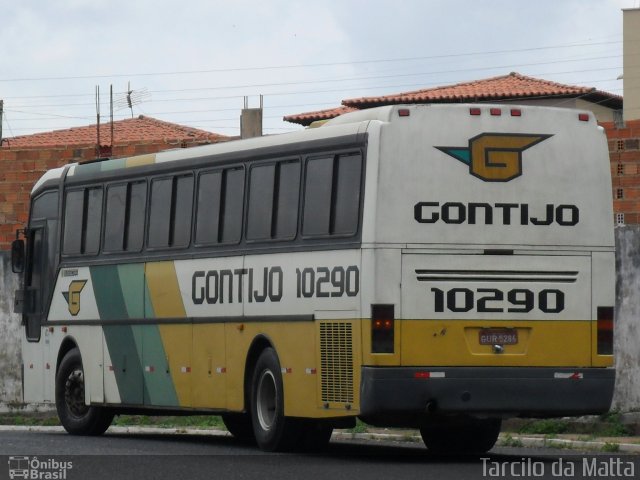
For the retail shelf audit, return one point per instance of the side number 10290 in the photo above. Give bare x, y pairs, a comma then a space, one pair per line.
518, 300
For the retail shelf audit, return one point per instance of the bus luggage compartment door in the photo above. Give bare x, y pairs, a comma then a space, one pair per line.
496, 310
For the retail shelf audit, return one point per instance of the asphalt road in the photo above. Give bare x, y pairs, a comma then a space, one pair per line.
179, 456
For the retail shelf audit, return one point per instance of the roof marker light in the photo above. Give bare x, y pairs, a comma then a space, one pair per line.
496, 112
516, 112
583, 117
474, 111
404, 112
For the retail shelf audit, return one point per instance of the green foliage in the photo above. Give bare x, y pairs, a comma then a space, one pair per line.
360, 427
509, 441
195, 421
610, 447
545, 427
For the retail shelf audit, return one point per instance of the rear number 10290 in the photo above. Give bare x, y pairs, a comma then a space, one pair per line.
518, 300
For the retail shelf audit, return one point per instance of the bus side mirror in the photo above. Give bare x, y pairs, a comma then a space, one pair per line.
17, 256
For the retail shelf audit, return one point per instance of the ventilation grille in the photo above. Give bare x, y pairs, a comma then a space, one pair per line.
336, 361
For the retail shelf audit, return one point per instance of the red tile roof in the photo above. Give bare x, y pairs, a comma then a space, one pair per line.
133, 130
308, 118
506, 87
512, 86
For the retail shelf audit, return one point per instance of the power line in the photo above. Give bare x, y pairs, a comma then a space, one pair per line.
358, 78
310, 65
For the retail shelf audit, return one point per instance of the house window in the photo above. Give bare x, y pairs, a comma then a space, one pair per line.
620, 145
620, 218
620, 169
619, 193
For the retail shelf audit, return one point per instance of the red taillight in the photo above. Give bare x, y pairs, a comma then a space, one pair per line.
605, 331
516, 112
382, 328
404, 112
583, 117
474, 111
496, 112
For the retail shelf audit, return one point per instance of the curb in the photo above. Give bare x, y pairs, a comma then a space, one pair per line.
563, 443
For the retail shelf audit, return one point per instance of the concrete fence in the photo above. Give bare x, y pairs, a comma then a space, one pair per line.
627, 325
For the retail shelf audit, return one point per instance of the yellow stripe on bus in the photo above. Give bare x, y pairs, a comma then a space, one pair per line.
164, 290
148, 159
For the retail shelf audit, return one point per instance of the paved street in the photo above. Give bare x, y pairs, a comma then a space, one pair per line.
154, 455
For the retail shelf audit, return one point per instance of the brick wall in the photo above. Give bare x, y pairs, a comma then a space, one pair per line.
624, 153
21, 168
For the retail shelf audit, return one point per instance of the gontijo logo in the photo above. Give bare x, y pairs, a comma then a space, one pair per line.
495, 157
72, 296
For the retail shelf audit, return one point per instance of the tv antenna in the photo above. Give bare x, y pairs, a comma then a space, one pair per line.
130, 98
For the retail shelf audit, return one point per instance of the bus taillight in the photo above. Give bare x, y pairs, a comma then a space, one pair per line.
605, 331
382, 327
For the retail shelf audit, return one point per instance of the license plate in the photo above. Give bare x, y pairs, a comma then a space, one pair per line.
498, 337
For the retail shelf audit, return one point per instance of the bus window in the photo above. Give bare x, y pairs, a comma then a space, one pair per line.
220, 206
347, 195
317, 197
124, 217
273, 201
286, 224
332, 195
260, 214
170, 212
82, 221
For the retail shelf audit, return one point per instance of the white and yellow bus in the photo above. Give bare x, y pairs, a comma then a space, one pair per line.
432, 266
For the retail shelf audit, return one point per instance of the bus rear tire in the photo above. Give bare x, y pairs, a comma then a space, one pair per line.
240, 426
272, 430
461, 436
76, 417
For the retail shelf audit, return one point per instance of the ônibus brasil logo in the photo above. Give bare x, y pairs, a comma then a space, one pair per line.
495, 157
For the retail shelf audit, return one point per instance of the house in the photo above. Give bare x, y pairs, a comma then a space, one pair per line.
25, 158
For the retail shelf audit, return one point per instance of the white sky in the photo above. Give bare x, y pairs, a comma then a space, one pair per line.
191, 62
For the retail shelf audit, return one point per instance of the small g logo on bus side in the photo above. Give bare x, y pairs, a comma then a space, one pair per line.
72, 296
495, 157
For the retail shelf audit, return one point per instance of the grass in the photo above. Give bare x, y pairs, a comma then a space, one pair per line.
610, 447
29, 420
545, 427
608, 425
509, 441
184, 422
360, 427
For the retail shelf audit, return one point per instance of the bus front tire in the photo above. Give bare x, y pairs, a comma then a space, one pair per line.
273, 431
76, 417
461, 436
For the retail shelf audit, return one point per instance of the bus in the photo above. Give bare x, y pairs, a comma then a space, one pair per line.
439, 267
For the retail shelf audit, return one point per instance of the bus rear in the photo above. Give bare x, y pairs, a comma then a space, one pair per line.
488, 242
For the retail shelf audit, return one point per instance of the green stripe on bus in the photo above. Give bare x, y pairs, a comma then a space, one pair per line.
159, 388
108, 293
133, 287
124, 343
87, 169
112, 164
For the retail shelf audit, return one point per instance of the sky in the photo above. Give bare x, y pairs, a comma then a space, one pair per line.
193, 62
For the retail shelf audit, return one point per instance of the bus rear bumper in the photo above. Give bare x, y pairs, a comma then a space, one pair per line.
486, 390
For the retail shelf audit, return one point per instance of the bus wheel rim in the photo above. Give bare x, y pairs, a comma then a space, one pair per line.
266, 400
74, 393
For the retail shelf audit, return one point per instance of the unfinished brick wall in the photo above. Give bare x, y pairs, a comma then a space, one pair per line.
21, 168
624, 153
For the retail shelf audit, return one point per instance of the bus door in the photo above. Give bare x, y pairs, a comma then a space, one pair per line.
32, 301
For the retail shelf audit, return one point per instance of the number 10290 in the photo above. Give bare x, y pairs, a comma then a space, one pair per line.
493, 300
